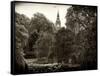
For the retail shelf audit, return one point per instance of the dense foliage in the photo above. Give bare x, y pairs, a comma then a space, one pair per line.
21, 39
75, 45
82, 20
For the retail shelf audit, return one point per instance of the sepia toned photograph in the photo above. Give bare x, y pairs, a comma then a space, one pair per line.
53, 37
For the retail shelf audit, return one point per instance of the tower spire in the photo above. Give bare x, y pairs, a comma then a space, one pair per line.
58, 14
58, 22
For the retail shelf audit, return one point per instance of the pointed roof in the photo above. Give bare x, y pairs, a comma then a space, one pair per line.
58, 14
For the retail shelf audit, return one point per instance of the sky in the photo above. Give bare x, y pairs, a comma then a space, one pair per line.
49, 10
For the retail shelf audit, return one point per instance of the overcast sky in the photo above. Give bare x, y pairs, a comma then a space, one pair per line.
49, 10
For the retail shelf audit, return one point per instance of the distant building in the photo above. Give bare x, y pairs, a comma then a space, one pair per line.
58, 22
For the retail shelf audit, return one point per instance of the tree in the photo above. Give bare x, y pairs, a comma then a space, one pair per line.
20, 64
40, 37
28, 49
22, 19
64, 43
40, 23
80, 17
43, 46
21, 39
84, 17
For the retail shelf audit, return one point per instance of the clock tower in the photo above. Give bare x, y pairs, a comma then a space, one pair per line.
58, 22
